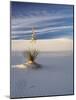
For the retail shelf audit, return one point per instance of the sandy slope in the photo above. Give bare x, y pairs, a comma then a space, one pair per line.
61, 44
55, 77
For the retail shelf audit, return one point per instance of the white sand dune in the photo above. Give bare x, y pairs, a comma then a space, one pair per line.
61, 44
55, 76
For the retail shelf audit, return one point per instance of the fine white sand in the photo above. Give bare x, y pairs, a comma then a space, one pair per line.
55, 77
61, 44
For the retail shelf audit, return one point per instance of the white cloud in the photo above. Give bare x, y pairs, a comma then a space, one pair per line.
31, 20
40, 20
50, 29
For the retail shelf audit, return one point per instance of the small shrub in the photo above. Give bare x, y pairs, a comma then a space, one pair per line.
31, 54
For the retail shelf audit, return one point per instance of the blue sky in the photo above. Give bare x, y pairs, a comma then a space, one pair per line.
49, 20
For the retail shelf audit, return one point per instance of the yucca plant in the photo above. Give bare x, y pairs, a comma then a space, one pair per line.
31, 55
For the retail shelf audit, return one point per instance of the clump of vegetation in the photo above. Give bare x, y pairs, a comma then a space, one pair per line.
31, 55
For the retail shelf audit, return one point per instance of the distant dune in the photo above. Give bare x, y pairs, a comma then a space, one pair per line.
52, 45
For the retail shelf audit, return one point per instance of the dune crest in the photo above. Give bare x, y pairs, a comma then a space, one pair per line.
61, 44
